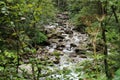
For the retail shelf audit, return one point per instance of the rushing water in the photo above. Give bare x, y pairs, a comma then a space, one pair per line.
71, 40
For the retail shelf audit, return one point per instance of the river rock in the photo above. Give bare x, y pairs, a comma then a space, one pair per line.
83, 56
68, 31
51, 36
60, 46
73, 45
45, 43
63, 16
73, 55
79, 51
60, 37
53, 40
60, 40
25, 67
57, 60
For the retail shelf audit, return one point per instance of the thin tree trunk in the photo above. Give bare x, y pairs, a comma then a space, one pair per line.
115, 15
17, 48
105, 52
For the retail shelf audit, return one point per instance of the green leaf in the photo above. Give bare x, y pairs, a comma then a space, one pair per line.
1, 68
2, 3
30, 5
117, 72
9, 1
9, 54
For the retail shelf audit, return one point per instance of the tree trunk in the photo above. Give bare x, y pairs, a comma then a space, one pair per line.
105, 52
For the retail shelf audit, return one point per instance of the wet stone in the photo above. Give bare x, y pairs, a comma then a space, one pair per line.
83, 56
68, 31
73, 55
60, 40
73, 45
79, 51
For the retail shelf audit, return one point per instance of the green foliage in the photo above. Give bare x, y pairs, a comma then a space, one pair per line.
88, 13
20, 26
56, 53
39, 37
117, 75
24, 17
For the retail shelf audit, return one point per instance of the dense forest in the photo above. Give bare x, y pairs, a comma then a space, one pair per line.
59, 40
